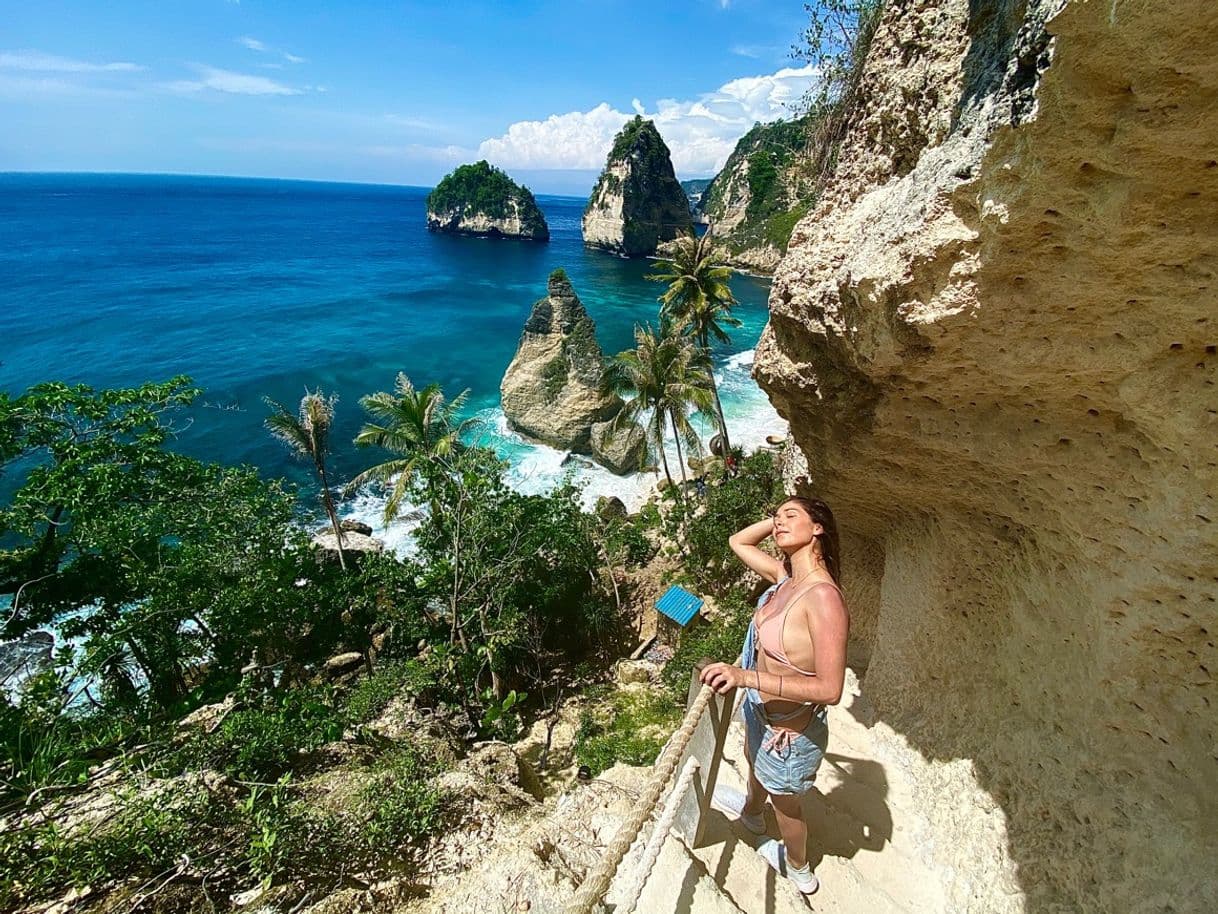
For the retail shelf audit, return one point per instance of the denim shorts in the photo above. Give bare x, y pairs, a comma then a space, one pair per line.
792, 769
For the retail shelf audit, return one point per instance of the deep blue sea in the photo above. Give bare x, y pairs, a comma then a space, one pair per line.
262, 288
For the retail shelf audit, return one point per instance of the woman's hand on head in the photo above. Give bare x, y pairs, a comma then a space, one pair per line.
723, 677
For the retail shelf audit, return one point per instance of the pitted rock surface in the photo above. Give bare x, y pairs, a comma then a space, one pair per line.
995, 342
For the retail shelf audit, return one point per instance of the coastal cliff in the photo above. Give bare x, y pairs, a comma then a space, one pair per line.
480, 199
637, 202
551, 391
762, 191
994, 340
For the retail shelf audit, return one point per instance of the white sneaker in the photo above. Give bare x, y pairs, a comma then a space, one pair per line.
731, 801
776, 856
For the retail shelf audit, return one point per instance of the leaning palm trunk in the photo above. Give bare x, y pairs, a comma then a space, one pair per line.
680, 456
704, 343
659, 429
328, 501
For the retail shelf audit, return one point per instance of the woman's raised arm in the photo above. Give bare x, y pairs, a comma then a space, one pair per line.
744, 544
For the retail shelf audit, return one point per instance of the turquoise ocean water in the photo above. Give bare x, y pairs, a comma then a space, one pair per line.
262, 288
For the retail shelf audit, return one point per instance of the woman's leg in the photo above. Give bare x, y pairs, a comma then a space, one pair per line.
754, 800
789, 812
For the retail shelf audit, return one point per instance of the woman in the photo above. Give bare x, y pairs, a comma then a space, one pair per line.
794, 666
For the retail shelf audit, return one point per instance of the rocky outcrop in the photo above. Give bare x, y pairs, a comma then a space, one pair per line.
355, 545
552, 388
623, 451
637, 202
480, 199
754, 202
26, 657
994, 339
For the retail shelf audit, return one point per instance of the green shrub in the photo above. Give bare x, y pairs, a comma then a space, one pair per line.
717, 639
628, 727
149, 835
265, 740
290, 837
402, 803
708, 561
371, 694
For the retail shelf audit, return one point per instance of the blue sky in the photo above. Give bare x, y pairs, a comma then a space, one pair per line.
391, 92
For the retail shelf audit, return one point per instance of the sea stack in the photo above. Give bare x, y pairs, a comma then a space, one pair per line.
482, 200
552, 389
637, 201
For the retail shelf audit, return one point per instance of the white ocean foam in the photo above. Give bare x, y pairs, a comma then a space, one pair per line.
368, 506
537, 468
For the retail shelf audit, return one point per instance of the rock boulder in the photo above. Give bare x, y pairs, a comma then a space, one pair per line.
551, 390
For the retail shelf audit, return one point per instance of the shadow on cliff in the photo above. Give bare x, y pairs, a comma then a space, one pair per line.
851, 816
1003, 54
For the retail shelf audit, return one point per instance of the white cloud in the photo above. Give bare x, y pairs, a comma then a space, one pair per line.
217, 80
263, 48
49, 63
579, 139
701, 132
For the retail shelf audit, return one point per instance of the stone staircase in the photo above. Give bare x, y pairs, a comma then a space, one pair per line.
870, 843
863, 827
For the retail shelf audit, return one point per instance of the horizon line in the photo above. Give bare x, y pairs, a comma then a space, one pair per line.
194, 174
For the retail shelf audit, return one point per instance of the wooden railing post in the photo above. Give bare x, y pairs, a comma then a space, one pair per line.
700, 736
706, 746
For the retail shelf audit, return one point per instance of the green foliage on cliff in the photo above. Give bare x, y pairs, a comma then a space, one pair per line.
764, 175
554, 376
623, 727
483, 188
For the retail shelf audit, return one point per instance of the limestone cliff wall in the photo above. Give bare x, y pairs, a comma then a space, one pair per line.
995, 341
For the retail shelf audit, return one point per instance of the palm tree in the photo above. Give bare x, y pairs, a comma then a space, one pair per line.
308, 434
419, 425
663, 377
700, 302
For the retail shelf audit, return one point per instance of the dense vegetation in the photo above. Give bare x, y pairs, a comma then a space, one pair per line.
180, 582
483, 188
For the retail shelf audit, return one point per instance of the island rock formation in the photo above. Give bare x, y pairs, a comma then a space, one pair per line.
480, 199
762, 191
995, 340
551, 391
637, 201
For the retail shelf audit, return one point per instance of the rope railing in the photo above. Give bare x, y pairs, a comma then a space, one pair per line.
597, 882
699, 739
659, 834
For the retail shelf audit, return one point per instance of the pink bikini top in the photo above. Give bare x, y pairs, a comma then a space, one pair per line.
771, 618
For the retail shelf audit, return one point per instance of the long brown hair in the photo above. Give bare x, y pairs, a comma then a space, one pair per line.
829, 551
